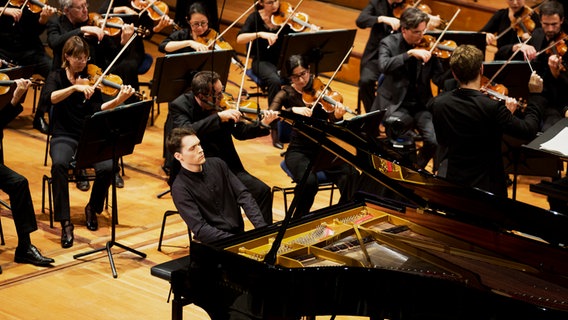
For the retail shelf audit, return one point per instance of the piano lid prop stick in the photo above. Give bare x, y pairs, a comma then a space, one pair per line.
362, 245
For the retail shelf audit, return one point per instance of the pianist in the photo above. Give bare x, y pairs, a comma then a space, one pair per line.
206, 193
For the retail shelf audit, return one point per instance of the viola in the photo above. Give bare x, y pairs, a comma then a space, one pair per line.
210, 37
298, 20
245, 107
109, 85
113, 25
156, 9
497, 91
5, 83
442, 50
34, 6
329, 99
524, 24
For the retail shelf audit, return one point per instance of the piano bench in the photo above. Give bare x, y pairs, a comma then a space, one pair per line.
164, 270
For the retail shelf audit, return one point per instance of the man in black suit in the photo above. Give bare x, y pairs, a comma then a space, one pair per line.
408, 70
16, 186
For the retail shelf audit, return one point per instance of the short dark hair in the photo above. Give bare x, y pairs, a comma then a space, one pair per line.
550, 8
173, 142
466, 62
295, 61
412, 17
196, 8
203, 82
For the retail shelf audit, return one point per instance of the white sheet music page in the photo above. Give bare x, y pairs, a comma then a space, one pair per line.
558, 144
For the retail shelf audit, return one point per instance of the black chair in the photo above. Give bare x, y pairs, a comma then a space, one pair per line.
166, 215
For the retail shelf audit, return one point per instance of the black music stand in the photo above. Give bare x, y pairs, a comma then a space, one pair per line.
324, 50
515, 76
173, 73
110, 135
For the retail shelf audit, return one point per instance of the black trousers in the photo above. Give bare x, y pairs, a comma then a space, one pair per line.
17, 188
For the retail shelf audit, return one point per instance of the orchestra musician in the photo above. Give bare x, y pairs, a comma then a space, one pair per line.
550, 65
408, 70
185, 40
73, 99
200, 110
469, 126
503, 23
377, 15
208, 196
17, 188
259, 32
20, 44
182, 6
302, 150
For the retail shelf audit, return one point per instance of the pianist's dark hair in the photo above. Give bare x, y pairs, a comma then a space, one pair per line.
550, 8
173, 142
466, 62
295, 61
412, 17
203, 81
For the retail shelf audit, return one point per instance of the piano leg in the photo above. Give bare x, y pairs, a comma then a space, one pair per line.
177, 307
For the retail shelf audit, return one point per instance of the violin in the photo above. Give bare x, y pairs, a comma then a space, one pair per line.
156, 9
110, 84
113, 25
210, 37
5, 83
329, 99
34, 6
524, 24
298, 20
497, 91
442, 50
245, 106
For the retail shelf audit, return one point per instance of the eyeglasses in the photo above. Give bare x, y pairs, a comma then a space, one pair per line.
198, 24
270, 3
83, 58
81, 7
295, 77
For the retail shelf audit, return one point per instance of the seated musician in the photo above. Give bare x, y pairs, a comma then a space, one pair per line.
208, 196
74, 99
303, 150
215, 127
469, 126
503, 24
408, 70
16, 186
20, 31
189, 40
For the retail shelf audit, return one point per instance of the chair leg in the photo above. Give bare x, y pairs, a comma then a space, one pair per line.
2, 242
166, 215
46, 150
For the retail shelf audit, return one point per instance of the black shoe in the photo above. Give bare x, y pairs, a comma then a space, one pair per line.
40, 125
32, 255
91, 217
67, 236
118, 180
277, 145
83, 185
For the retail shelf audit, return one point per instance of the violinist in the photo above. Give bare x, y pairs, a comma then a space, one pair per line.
510, 24
550, 64
20, 44
301, 149
17, 187
262, 34
377, 15
188, 39
469, 126
73, 99
199, 109
406, 88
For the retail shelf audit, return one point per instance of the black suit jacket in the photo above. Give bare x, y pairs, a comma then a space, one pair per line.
368, 19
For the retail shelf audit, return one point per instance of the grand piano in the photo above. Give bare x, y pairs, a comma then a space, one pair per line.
409, 246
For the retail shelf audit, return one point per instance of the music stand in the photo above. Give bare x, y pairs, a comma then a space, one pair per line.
173, 73
324, 50
515, 76
109, 135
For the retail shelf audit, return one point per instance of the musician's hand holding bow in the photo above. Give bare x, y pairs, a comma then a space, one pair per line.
84, 86
229, 115
394, 23
420, 54
127, 32
490, 38
197, 46
535, 83
268, 117
22, 86
434, 22
339, 111
528, 50
93, 31
15, 13
304, 111
269, 36
46, 12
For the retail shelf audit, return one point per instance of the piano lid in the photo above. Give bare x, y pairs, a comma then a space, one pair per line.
355, 141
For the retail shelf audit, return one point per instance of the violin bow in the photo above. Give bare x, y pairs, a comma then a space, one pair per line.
233, 23
444, 31
4, 8
241, 86
322, 93
519, 20
106, 15
504, 65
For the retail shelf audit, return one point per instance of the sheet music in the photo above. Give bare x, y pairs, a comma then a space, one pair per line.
559, 143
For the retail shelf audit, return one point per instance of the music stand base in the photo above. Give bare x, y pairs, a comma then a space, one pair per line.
108, 247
